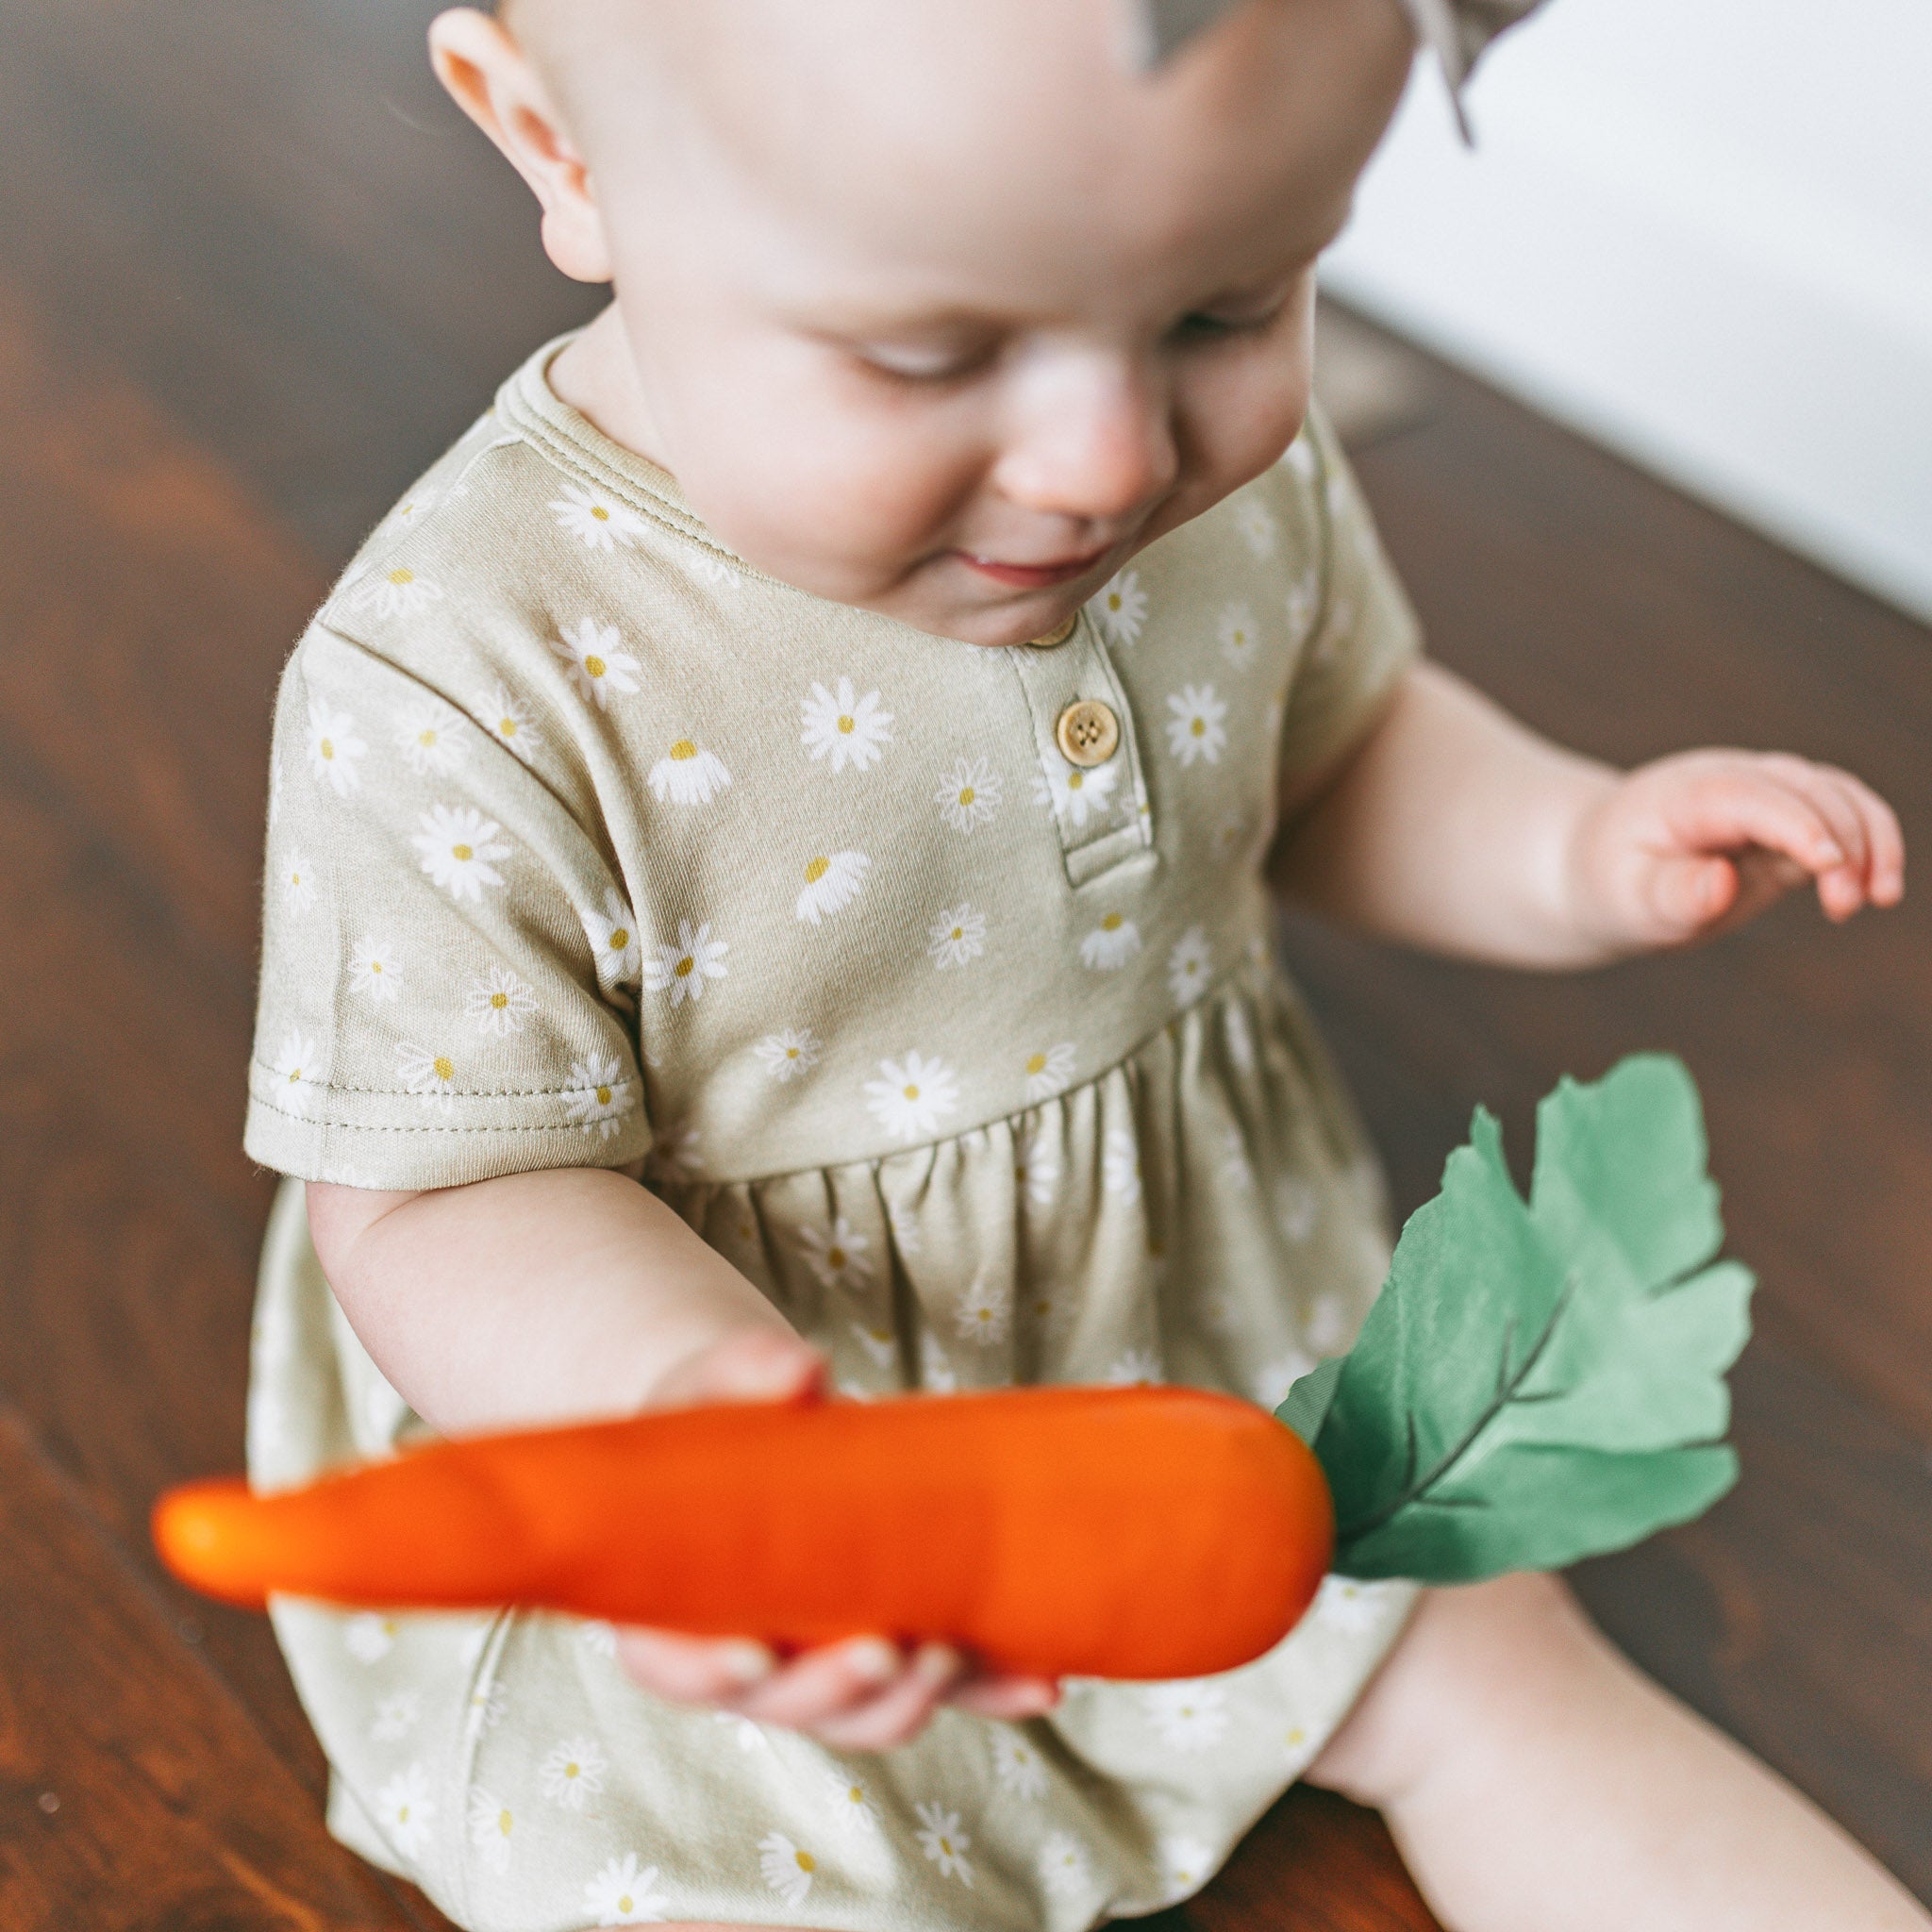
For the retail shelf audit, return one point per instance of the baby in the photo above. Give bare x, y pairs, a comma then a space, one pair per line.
770, 878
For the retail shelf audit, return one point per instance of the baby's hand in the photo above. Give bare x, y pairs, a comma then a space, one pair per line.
1695, 844
864, 1694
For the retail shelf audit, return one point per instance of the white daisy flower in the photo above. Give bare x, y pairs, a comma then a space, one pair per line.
943, 1842
1064, 1867
1186, 1865
1273, 1380
487, 1706
983, 1315
395, 592
334, 748
878, 1343
598, 664
1110, 945
406, 1808
1036, 1172
374, 971
507, 718
1237, 635
1237, 1169
1050, 1073
682, 970
613, 935
956, 937
687, 775
1075, 793
852, 730
676, 1155
1303, 600
597, 1637
935, 1370
429, 1075
597, 1093
370, 1637
852, 1801
791, 1051
395, 1717
1016, 1764
1297, 1207
750, 1737
709, 568
1135, 1368
970, 794
573, 1771
1241, 1038
498, 1003
622, 1895
1256, 523
1191, 966
1119, 1164
458, 844
296, 1071
787, 1868
1195, 730
836, 1256
432, 737
912, 1096
832, 882
1119, 607
1330, 1326
489, 1825
1349, 1605
906, 1235
599, 520
1189, 1716
299, 882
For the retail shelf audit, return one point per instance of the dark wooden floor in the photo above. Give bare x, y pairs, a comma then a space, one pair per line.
252, 275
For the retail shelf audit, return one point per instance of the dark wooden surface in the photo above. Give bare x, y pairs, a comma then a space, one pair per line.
253, 274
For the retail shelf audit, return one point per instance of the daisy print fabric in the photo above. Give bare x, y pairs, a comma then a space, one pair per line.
595, 846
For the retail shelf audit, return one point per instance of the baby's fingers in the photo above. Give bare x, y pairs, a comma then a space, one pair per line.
1864, 825
1732, 810
693, 1670
902, 1709
819, 1686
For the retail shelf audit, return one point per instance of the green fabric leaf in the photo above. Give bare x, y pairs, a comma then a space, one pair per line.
1307, 1402
1543, 1380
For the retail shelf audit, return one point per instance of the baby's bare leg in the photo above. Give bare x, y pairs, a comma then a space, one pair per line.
1534, 1779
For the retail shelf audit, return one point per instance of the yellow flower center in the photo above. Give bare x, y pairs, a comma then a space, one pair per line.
946, 1846
402, 1814
816, 869
684, 749
426, 738
445, 1067
835, 1257
294, 1076
598, 511
959, 932
1037, 1063
507, 726
847, 724
399, 575
503, 1826
1296, 1735
911, 1092
620, 938
857, 1793
1075, 780
1113, 923
595, 666
571, 1769
1198, 726
805, 1861
499, 1000
624, 1905
375, 965
982, 1314
602, 1097
684, 966
790, 1053
328, 747
295, 878
1113, 600
967, 794
462, 853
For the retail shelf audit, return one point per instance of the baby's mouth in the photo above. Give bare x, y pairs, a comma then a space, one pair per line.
1034, 576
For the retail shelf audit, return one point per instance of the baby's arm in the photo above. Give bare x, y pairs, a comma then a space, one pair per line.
574, 1293
1454, 828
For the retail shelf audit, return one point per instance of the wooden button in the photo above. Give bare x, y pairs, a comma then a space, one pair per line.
1089, 733
1057, 635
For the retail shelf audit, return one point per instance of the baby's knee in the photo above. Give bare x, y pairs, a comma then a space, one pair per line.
1473, 1663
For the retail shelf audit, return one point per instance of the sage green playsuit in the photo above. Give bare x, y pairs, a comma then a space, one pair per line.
589, 842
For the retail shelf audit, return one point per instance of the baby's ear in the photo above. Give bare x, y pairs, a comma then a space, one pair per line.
493, 79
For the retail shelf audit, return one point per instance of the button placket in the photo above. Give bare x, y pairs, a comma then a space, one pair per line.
1082, 726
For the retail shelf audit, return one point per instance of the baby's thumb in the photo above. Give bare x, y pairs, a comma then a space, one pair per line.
1689, 892
758, 1364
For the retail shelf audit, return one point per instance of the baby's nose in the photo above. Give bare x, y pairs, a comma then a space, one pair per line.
1095, 443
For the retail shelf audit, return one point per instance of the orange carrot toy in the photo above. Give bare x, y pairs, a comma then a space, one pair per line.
1109, 1532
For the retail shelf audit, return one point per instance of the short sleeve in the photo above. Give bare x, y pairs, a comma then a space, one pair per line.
450, 967
1363, 635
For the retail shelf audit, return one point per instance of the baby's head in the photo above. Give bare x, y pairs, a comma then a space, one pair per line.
938, 306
